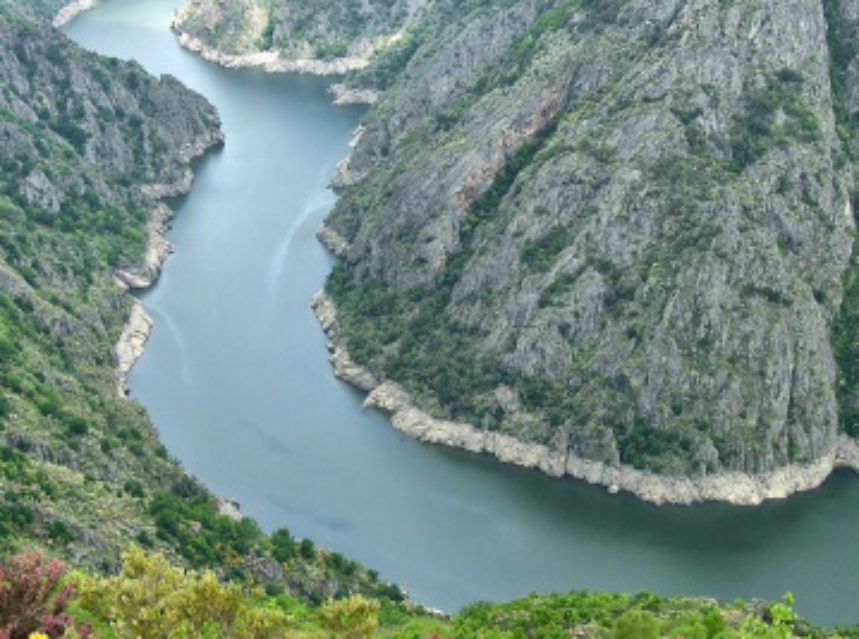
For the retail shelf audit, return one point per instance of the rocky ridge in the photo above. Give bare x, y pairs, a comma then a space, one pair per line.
731, 487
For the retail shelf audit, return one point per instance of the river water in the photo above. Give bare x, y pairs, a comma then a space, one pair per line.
236, 379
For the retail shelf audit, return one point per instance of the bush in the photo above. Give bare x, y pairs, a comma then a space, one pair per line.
59, 532
32, 600
637, 624
154, 599
307, 549
283, 546
354, 617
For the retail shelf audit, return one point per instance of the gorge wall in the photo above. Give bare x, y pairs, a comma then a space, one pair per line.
622, 231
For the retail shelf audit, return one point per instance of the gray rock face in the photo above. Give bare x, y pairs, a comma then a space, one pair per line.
641, 214
621, 230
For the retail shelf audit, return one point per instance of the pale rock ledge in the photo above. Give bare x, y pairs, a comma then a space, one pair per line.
731, 487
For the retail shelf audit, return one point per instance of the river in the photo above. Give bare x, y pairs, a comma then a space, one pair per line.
237, 381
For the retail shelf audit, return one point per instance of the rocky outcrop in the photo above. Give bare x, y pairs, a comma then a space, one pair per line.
270, 61
131, 341
345, 368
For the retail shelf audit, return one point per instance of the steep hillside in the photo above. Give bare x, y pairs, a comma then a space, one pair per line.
641, 216
90, 145
611, 239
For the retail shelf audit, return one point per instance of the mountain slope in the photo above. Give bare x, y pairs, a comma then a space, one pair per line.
640, 231
615, 231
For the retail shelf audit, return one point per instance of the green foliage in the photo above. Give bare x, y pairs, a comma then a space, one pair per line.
60, 533
637, 624
771, 117
842, 54
644, 445
307, 549
538, 255
283, 545
153, 598
266, 38
845, 342
187, 518
354, 617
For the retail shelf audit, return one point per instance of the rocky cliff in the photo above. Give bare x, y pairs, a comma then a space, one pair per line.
621, 231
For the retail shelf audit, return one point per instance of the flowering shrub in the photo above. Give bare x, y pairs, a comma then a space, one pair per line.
32, 601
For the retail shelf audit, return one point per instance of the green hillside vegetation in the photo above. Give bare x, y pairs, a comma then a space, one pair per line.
83, 474
153, 598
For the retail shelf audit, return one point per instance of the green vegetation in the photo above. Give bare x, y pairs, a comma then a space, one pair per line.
538, 255
156, 599
772, 117
845, 330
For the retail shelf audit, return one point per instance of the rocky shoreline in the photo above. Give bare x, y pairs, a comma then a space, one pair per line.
72, 9
135, 332
269, 61
730, 487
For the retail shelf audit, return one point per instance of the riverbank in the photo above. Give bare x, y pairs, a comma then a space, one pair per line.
730, 487
72, 9
135, 332
269, 61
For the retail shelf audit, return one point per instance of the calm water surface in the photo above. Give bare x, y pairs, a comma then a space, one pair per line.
236, 379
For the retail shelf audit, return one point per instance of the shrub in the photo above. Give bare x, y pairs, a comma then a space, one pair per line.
155, 599
59, 532
283, 546
637, 624
307, 549
32, 600
354, 616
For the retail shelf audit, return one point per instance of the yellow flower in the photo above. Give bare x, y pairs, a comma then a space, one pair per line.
37, 635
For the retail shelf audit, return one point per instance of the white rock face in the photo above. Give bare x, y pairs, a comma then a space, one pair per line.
71, 10
270, 61
229, 507
133, 338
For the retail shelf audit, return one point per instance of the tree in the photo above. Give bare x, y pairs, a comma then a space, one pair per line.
153, 598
